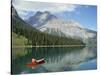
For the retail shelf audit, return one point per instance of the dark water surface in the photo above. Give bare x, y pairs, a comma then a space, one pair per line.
56, 59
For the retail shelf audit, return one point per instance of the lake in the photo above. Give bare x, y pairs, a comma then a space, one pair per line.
57, 59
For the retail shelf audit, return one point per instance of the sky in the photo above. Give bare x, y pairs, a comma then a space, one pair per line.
86, 15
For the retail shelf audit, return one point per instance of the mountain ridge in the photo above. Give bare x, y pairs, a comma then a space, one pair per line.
68, 28
35, 37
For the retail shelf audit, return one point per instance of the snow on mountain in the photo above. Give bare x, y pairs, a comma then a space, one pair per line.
40, 18
48, 23
69, 29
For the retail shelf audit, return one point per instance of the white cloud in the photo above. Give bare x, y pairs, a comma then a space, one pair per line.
43, 6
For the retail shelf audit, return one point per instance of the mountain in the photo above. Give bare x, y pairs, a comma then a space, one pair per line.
18, 22
14, 12
93, 40
34, 36
49, 23
69, 29
40, 18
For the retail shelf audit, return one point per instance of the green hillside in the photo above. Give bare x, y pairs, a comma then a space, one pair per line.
18, 40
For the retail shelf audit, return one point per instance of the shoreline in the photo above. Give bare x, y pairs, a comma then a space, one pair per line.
49, 46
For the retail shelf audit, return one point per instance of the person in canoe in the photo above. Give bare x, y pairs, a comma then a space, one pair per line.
35, 63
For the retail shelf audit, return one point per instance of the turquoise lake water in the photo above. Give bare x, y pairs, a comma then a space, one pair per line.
57, 59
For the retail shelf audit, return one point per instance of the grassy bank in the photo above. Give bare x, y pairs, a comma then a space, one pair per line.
18, 40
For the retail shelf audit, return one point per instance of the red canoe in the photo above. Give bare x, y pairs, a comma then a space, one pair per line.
35, 63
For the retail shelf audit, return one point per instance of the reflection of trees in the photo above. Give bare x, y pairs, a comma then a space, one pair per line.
73, 58
19, 52
51, 54
56, 58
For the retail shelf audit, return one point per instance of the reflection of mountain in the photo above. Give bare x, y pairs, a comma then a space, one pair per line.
57, 58
49, 23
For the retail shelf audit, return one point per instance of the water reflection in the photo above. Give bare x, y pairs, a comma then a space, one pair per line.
57, 59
